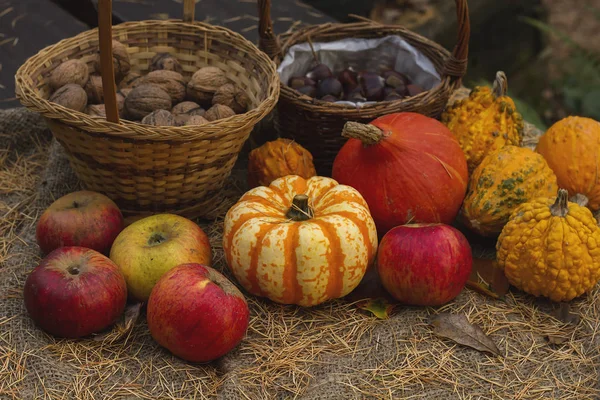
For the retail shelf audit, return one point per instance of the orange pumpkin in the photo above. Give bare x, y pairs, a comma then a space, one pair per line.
300, 241
276, 159
571, 148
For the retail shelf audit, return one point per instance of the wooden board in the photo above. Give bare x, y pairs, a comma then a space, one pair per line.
26, 27
238, 15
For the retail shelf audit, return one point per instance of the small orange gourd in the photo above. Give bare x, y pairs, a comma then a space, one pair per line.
276, 159
571, 147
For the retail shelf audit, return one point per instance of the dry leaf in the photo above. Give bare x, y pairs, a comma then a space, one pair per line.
486, 278
458, 328
378, 307
124, 326
563, 313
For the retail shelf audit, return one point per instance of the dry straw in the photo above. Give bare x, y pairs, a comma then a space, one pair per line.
146, 168
317, 124
333, 351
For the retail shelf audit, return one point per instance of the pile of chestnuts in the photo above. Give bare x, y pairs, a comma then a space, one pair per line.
349, 85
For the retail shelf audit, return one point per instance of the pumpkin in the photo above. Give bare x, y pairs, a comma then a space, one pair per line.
551, 247
300, 241
571, 147
485, 121
504, 180
278, 158
407, 166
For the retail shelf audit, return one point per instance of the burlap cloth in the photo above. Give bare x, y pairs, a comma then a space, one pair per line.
334, 351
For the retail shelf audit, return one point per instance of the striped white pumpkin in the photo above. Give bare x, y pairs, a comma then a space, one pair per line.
300, 262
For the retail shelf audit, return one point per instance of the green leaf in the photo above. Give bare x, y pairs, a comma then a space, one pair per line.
378, 307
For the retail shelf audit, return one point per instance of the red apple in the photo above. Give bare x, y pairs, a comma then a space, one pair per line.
424, 264
74, 292
197, 313
84, 218
151, 246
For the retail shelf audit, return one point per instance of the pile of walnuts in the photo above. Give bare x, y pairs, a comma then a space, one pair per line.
163, 97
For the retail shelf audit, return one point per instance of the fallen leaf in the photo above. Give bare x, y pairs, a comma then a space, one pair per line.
124, 326
378, 307
563, 313
556, 339
458, 328
486, 278
370, 287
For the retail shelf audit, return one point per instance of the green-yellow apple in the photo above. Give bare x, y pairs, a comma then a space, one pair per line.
151, 246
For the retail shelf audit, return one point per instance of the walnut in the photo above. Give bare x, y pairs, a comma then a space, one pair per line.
96, 110
130, 81
233, 97
184, 107
125, 92
71, 96
218, 111
121, 62
71, 71
165, 61
204, 83
93, 89
120, 102
181, 119
159, 118
146, 98
196, 120
171, 81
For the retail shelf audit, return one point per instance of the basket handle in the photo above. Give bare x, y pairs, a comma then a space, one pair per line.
267, 40
106, 60
106, 57
456, 65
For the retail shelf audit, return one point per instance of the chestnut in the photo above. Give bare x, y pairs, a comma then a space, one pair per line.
348, 78
299, 81
329, 98
319, 72
330, 86
414, 90
308, 90
392, 95
395, 76
355, 95
372, 85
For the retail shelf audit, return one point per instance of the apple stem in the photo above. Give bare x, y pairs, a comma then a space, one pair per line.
156, 238
73, 270
300, 210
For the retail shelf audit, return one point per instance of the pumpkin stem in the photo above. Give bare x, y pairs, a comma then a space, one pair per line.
560, 208
300, 210
500, 87
366, 133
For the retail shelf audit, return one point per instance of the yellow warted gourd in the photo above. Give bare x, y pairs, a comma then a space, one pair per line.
551, 247
300, 241
485, 121
505, 179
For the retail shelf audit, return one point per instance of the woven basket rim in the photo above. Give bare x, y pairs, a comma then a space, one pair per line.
354, 29
30, 98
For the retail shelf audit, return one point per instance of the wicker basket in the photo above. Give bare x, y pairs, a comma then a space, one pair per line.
147, 169
317, 124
